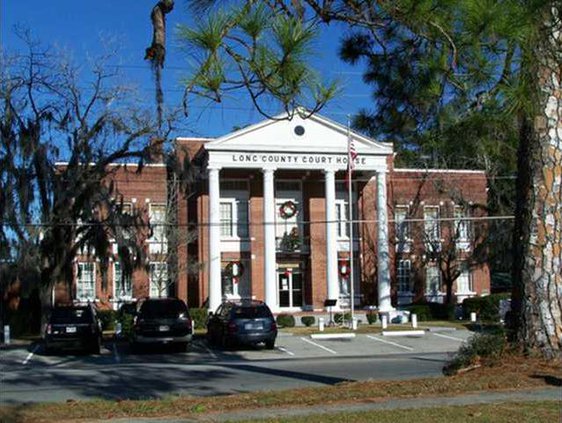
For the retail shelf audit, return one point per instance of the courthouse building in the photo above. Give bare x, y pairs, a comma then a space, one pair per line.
267, 218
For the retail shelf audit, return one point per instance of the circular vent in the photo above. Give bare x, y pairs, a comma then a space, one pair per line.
299, 130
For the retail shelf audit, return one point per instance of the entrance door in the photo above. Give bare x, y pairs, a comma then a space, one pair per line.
290, 288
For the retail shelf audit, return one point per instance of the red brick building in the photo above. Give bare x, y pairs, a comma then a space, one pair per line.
267, 217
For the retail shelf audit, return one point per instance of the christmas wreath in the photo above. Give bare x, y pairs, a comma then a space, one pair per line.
288, 209
234, 269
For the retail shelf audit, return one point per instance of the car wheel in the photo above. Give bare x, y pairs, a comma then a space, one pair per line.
270, 344
182, 346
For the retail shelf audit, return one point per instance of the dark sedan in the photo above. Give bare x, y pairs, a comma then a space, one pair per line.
242, 323
73, 327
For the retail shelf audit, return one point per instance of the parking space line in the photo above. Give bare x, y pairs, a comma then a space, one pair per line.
390, 343
24, 362
318, 345
210, 351
449, 337
286, 351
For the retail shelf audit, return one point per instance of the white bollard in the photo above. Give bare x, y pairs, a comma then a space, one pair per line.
473, 317
384, 320
321, 324
414, 320
354, 323
7, 335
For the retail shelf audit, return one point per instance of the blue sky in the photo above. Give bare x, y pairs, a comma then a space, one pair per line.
79, 26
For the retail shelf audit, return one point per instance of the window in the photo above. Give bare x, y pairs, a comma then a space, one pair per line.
431, 223
157, 216
403, 275
234, 219
342, 217
234, 209
402, 227
432, 280
227, 220
86, 282
462, 229
122, 287
158, 274
464, 282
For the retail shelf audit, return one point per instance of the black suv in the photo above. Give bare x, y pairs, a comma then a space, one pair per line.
244, 322
162, 321
73, 327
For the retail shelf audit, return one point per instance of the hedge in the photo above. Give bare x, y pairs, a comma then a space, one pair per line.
285, 321
433, 311
486, 308
308, 320
107, 319
199, 317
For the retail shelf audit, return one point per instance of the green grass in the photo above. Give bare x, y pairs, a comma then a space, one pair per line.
520, 412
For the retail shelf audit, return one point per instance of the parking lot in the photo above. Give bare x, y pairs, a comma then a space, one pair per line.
288, 346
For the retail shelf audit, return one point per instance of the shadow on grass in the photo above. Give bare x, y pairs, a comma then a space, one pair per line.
549, 380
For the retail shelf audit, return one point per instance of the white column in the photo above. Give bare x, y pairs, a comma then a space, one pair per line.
331, 237
215, 286
383, 255
270, 272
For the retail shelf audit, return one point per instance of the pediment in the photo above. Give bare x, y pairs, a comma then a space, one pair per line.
298, 135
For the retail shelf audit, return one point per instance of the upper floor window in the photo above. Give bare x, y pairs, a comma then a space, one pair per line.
234, 209
432, 229
157, 216
86, 281
462, 224
342, 217
401, 224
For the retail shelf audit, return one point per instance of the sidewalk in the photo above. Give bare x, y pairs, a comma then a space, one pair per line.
486, 397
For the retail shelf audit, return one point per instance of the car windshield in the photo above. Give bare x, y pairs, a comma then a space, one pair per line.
152, 309
73, 315
251, 312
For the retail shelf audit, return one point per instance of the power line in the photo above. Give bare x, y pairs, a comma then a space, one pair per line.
282, 224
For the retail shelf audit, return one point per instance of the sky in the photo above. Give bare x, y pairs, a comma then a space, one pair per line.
80, 26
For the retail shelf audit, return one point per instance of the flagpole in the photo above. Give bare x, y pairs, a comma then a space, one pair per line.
350, 166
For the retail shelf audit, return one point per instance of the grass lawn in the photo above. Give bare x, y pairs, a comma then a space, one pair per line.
521, 412
514, 372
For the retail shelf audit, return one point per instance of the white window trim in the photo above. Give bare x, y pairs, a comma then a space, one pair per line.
78, 273
409, 291
235, 197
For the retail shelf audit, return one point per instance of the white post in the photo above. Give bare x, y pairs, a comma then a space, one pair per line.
7, 339
321, 324
269, 240
215, 286
384, 320
414, 320
473, 317
331, 237
383, 254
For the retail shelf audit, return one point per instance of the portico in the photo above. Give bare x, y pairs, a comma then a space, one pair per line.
295, 244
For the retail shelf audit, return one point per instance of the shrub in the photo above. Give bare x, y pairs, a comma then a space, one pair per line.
126, 321
285, 321
199, 317
107, 319
308, 320
433, 311
487, 308
483, 346
339, 318
372, 317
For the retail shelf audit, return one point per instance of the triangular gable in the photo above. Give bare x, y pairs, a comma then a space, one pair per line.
314, 134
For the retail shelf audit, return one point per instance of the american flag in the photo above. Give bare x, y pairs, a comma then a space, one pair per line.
351, 154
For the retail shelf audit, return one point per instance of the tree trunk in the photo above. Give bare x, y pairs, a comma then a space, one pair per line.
537, 295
